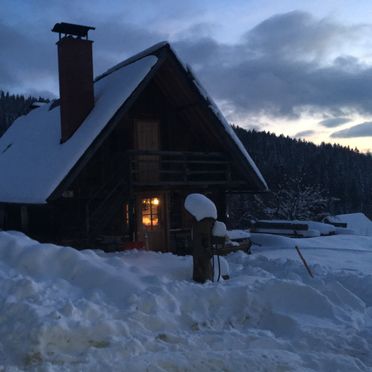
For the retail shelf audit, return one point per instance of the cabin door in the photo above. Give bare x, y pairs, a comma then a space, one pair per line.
147, 139
152, 221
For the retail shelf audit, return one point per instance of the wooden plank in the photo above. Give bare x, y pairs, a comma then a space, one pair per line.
176, 153
280, 225
338, 224
189, 183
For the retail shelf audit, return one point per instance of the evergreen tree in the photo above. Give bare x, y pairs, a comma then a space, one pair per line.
338, 174
12, 106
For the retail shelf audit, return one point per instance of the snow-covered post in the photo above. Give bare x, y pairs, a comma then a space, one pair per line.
219, 233
204, 215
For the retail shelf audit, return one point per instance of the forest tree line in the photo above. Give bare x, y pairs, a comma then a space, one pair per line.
12, 106
306, 180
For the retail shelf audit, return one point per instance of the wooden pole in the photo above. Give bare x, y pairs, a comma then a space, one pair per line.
202, 250
24, 219
304, 261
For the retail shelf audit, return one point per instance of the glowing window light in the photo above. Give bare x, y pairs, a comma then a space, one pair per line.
150, 212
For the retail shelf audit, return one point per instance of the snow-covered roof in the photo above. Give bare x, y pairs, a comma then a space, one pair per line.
33, 162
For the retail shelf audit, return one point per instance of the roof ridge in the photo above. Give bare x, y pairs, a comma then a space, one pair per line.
144, 53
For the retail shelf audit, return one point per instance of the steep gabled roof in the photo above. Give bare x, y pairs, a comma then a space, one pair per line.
33, 162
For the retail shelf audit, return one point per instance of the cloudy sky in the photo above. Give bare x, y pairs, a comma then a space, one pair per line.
299, 68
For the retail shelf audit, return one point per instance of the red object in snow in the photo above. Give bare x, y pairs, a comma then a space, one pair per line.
132, 245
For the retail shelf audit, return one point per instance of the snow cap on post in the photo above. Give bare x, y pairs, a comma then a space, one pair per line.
219, 230
200, 207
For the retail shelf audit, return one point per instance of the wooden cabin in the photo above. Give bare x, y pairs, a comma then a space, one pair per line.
111, 162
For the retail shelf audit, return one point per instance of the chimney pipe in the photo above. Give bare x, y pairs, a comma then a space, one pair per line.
75, 67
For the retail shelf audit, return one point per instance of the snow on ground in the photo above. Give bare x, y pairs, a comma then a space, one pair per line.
62, 309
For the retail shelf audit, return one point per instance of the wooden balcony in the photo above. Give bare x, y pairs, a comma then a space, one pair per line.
153, 168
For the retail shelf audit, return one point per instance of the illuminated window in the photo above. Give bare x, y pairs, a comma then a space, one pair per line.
150, 212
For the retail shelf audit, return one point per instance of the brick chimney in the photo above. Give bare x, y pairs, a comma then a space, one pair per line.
75, 66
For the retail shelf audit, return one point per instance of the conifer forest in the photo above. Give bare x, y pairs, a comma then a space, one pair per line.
305, 180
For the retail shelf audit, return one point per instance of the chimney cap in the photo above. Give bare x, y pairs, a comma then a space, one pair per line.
72, 29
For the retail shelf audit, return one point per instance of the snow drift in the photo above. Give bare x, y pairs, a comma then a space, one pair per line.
62, 309
358, 222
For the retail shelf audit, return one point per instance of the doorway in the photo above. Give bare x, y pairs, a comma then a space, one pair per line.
152, 221
147, 139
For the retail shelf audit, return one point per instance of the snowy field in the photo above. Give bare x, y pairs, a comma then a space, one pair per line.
63, 310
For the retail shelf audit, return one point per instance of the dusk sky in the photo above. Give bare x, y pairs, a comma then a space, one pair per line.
300, 68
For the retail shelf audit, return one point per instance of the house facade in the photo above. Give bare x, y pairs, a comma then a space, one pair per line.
113, 159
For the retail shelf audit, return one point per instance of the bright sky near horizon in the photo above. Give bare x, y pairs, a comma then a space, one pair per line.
298, 68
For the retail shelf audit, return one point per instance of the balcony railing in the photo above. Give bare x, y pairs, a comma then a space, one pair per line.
171, 167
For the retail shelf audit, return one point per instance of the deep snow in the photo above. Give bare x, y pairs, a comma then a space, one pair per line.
61, 309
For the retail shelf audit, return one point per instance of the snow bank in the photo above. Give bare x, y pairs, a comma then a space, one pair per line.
67, 310
314, 228
323, 228
358, 222
238, 234
200, 207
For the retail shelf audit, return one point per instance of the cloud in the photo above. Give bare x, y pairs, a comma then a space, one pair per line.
279, 68
26, 58
334, 122
30, 61
360, 130
305, 133
297, 35
115, 40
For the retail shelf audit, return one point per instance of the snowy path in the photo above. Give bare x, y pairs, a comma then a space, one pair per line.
63, 310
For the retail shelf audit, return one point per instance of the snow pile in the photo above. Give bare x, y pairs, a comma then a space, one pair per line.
67, 310
238, 234
313, 228
219, 230
200, 207
323, 228
358, 222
